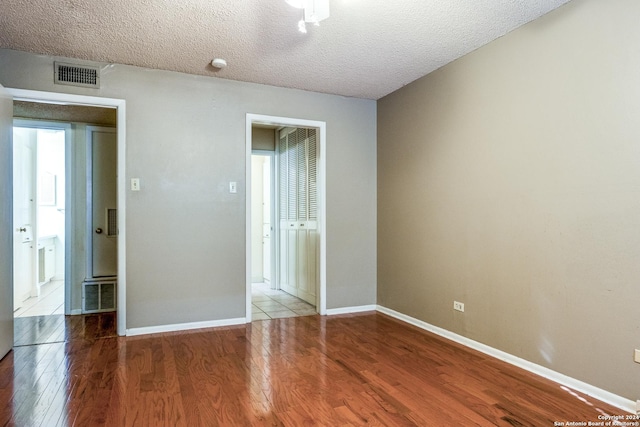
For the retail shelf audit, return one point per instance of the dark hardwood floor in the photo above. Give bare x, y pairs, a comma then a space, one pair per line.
351, 370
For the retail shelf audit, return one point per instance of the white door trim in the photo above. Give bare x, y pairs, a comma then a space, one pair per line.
120, 106
322, 212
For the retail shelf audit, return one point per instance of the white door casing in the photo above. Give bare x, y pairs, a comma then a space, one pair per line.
321, 128
120, 106
6, 222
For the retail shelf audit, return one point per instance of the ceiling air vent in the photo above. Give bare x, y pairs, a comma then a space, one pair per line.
76, 75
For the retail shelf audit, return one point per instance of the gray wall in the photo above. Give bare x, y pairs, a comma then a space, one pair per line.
186, 141
510, 180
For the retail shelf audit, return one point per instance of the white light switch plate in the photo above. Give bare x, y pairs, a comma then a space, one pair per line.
233, 187
135, 184
636, 356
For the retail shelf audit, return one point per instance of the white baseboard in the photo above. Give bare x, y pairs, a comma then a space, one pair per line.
588, 389
185, 326
349, 310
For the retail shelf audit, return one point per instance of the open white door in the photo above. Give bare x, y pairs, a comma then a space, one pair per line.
6, 222
24, 215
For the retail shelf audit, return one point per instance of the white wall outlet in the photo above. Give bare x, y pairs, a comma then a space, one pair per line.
233, 187
458, 306
636, 356
135, 184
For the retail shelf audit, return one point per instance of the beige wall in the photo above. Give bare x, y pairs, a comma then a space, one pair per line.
185, 237
510, 180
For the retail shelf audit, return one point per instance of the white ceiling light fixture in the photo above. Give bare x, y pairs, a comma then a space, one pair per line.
314, 11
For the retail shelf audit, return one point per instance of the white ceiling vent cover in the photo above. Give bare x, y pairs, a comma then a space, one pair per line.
76, 75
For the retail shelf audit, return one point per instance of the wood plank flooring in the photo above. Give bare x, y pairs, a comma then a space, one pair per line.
352, 370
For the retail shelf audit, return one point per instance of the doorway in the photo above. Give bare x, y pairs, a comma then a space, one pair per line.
118, 106
262, 163
287, 263
39, 216
268, 301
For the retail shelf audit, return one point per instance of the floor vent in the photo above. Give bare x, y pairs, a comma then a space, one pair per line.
98, 296
76, 75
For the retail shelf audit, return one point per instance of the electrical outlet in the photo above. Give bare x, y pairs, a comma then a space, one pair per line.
636, 356
458, 306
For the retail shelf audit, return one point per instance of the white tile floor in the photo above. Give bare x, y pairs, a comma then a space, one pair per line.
267, 303
50, 301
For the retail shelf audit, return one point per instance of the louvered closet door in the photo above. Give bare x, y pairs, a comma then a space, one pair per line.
298, 206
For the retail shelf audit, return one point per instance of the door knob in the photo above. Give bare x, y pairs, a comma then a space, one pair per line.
22, 230
98, 230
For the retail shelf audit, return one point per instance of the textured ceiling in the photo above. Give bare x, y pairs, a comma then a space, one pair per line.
366, 49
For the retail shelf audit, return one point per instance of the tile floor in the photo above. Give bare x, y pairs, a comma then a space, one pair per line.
267, 303
50, 301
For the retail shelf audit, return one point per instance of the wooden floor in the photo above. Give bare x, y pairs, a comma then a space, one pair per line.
350, 370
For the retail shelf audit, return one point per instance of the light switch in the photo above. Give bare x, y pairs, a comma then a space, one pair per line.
135, 184
233, 187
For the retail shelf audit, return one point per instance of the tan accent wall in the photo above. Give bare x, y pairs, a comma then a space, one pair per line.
509, 180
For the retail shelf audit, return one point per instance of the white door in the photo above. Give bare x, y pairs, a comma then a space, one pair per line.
102, 186
6, 222
298, 212
24, 281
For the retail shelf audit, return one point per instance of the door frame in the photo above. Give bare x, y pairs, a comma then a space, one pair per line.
68, 200
272, 211
320, 126
120, 106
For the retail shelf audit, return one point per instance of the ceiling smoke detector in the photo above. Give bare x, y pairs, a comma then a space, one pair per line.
219, 63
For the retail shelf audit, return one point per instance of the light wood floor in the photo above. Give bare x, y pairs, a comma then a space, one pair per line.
351, 370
